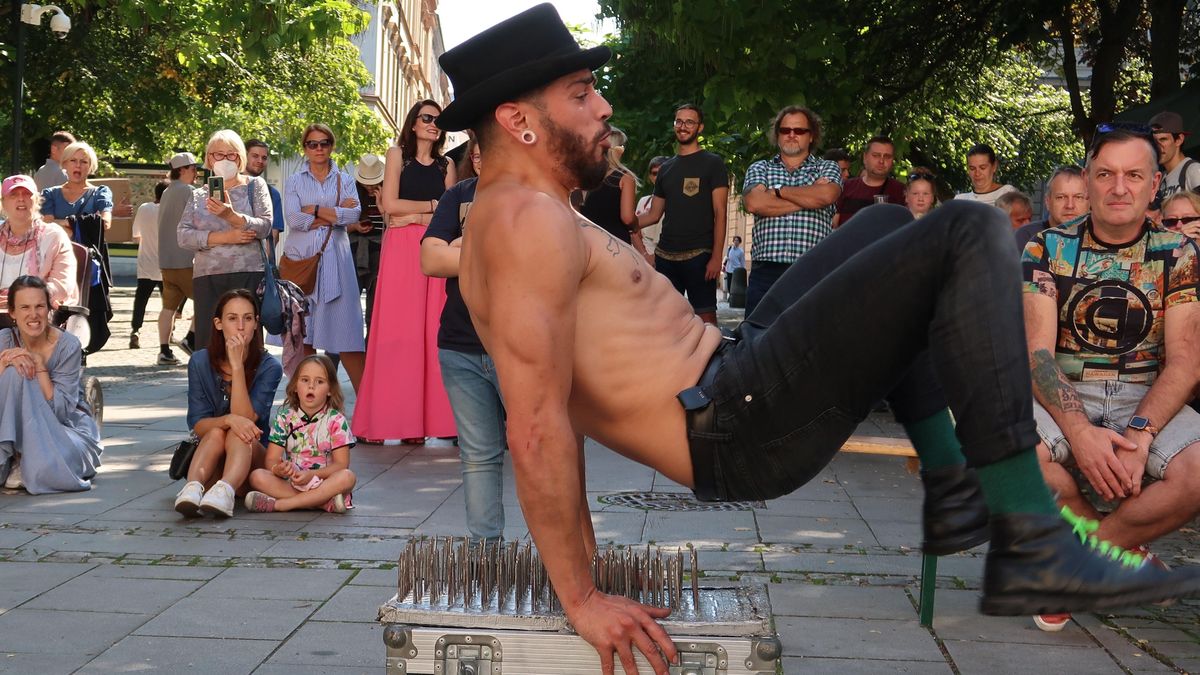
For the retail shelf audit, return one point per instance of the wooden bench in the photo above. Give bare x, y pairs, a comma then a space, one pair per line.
900, 447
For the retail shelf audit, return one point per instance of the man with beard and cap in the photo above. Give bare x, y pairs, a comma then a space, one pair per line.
690, 197
592, 342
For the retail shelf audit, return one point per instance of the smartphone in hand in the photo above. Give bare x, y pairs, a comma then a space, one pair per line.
216, 188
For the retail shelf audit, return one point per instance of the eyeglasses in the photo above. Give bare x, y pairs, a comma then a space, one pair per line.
920, 175
323, 143
1182, 220
427, 118
223, 155
687, 123
794, 131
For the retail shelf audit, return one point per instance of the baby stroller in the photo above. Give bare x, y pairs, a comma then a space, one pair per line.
73, 319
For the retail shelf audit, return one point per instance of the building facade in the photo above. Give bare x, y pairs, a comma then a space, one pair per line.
400, 48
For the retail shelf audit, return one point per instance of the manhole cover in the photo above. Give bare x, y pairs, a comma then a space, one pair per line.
673, 501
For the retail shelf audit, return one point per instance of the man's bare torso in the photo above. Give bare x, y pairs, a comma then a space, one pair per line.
637, 341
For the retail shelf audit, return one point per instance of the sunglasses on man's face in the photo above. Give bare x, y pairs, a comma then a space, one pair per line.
794, 131
1180, 221
427, 118
323, 143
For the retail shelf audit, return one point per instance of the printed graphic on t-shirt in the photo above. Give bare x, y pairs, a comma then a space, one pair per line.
1111, 301
691, 187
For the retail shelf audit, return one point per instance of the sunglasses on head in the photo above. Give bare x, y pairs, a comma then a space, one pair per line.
794, 131
1132, 127
920, 175
323, 143
427, 118
1177, 222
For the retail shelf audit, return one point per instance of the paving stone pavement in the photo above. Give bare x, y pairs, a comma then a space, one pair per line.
113, 580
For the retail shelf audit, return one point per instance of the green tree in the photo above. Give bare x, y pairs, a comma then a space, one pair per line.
141, 78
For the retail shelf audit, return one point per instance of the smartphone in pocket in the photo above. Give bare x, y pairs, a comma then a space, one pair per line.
216, 187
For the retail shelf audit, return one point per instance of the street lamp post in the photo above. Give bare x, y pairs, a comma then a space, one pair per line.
23, 13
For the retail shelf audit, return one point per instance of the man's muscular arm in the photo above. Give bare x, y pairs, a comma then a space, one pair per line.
1092, 446
531, 299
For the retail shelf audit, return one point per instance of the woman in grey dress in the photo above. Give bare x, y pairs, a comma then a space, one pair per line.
48, 440
225, 231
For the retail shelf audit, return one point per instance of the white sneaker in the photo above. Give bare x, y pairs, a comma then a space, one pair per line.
14, 482
187, 501
218, 500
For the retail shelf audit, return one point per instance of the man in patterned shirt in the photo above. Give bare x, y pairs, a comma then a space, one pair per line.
1112, 323
792, 197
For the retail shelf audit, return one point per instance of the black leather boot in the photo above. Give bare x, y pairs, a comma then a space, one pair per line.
954, 515
1038, 565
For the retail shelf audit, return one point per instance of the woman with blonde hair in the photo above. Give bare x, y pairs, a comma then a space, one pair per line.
224, 228
1181, 213
612, 205
32, 246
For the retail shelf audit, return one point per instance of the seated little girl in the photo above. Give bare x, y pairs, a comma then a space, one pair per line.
309, 452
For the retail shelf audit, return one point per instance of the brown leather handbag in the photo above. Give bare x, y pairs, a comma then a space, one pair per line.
303, 271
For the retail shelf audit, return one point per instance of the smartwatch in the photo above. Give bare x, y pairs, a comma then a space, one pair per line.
1143, 424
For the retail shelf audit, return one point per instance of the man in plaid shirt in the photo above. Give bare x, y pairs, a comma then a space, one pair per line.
792, 196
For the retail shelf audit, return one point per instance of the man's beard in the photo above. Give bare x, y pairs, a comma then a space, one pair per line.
576, 156
253, 173
686, 138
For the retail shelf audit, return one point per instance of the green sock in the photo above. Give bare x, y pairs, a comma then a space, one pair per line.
935, 442
1015, 485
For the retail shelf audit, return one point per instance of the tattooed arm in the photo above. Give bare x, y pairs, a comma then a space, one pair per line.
1093, 447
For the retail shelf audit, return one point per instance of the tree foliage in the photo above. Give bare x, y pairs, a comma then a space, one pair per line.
140, 79
938, 77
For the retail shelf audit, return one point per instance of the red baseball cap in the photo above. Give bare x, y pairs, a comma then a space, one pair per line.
19, 181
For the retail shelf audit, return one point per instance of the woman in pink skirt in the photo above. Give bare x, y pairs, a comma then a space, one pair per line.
402, 394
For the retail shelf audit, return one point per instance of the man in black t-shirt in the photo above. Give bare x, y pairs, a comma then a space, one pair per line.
467, 371
692, 192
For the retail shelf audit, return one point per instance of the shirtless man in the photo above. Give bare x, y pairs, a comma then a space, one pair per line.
574, 323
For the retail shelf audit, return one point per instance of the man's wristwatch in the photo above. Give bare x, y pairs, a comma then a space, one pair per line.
777, 193
1143, 424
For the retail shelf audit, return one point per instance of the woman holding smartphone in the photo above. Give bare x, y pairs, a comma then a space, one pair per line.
223, 224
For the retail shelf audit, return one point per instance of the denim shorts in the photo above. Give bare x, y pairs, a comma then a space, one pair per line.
1110, 404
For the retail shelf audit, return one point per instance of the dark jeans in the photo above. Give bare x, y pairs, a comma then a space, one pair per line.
145, 288
814, 357
687, 276
763, 276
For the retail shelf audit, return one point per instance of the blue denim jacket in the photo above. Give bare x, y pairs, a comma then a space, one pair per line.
206, 397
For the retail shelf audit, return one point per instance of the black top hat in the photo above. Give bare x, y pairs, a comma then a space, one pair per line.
515, 56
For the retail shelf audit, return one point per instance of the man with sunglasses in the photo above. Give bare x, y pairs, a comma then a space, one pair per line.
1107, 299
875, 184
791, 196
1180, 172
690, 196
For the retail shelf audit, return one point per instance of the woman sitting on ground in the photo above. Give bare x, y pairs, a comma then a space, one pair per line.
32, 246
48, 439
231, 386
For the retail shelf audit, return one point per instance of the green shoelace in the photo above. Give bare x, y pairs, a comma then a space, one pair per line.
1085, 529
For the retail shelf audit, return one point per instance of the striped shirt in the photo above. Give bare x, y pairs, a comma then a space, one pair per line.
785, 238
